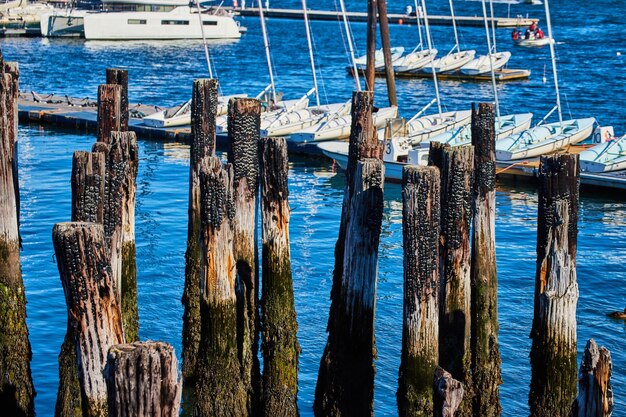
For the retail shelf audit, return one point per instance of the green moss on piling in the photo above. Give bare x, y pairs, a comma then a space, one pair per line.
130, 313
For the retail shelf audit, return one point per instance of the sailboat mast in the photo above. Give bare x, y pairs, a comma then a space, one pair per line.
552, 56
491, 56
430, 47
456, 35
493, 26
206, 46
310, 43
419, 26
355, 71
267, 50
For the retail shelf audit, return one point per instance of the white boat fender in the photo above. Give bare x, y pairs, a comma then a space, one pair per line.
395, 148
602, 134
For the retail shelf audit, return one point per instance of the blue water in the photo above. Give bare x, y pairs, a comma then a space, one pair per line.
591, 77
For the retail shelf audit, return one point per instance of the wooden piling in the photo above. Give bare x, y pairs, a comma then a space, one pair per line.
16, 385
280, 345
203, 111
420, 329
12, 76
364, 141
486, 374
595, 393
88, 182
370, 66
384, 37
109, 111
220, 389
448, 394
345, 385
456, 168
142, 380
93, 310
553, 333
120, 77
244, 123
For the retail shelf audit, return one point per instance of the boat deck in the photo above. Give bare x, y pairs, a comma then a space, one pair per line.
501, 75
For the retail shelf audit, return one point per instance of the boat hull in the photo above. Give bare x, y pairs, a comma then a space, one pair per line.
481, 65
604, 157
451, 62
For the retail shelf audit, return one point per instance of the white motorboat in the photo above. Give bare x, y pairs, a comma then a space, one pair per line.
483, 65
415, 60
379, 58
544, 139
181, 115
450, 62
423, 128
63, 23
532, 41
605, 157
181, 22
298, 120
339, 127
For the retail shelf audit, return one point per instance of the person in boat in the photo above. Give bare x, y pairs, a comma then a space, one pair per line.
532, 27
539, 34
515, 35
527, 34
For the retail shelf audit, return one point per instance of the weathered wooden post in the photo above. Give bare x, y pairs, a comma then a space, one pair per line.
553, 333
420, 329
280, 345
221, 389
595, 393
93, 309
370, 66
456, 167
142, 380
109, 111
120, 77
88, 182
12, 76
384, 37
448, 394
486, 375
203, 110
16, 384
244, 123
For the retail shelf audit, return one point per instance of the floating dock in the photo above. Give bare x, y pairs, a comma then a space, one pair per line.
394, 18
502, 75
81, 115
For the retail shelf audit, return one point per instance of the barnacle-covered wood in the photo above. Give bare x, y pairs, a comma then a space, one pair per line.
93, 310
486, 374
16, 385
120, 77
12, 78
345, 384
595, 392
420, 327
456, 166
203, 110
244, 123
448, 394
220, 389
280, 346
109, 111
553, 353
142, 380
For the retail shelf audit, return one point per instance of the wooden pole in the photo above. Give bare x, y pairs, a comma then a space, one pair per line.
203, 111
456, 167
345, 385
553, 333
88, 182
448, 394
364, 141
221, 389
384, 37
370, 67
109, 111
142, 380
595, 393
120, 77
93, 310
486, 375
12, 92
244, 123
420, 329
280, 345
16, 385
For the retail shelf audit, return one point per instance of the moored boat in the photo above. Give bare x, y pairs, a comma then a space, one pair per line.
181, 115
605, 157
379, 58
423, 128
450, 62
414, 61
483, 65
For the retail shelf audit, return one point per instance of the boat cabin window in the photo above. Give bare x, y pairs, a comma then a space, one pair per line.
209, 23
130, 7
174, 22
137, 21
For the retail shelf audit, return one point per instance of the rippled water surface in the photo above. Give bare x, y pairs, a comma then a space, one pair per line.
591, 74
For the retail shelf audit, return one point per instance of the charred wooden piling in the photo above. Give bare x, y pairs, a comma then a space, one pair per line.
120, 77
16, 385
486, 375
93, 310
203, 110
109, 111
142, 380
553, 333
456, 168
448, 394
280, 346
595, 393
221, 389
420, 329
244, 123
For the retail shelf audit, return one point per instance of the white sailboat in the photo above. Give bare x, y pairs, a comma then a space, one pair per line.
181, 115
605, 157
419, 57
379, 59
543, 139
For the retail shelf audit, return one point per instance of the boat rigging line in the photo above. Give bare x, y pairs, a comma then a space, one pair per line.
430, 47
310, 44
267, 50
